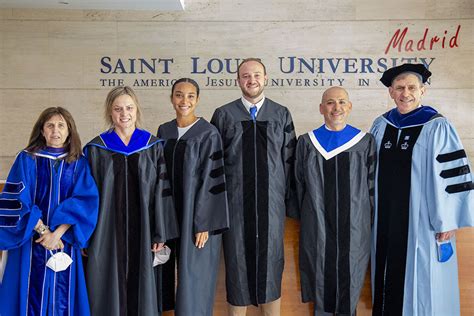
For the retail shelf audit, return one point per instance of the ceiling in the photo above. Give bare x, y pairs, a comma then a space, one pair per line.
161, 5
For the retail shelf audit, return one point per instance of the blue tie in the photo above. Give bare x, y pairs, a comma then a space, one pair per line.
253, 112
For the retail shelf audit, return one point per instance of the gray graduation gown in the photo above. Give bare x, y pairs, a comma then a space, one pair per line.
136, 209
258, 157
196, 170
336, 196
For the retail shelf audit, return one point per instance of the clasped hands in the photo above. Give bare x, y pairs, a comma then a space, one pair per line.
51, 240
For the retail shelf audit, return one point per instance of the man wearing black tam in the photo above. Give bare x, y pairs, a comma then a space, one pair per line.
418, 70
424, 192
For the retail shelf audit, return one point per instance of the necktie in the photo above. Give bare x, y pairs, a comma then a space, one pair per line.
253, 112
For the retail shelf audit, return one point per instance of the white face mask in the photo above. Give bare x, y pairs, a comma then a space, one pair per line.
162, 256
59, 261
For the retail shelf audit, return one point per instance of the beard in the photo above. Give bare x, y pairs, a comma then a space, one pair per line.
253, 94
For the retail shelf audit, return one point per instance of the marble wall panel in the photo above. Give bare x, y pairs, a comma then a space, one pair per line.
5, 14
27, 37
78, 38
84, 44
55, 56
384, 10
46, 14
268, 10
439, 9
150, 38
41, 71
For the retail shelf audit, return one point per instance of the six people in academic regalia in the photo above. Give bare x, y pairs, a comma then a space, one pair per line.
194, 160
406, 188
48, 211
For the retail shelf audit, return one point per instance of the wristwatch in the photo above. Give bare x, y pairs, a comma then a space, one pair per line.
41, 229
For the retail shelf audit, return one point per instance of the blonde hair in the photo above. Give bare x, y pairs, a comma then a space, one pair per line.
109, 102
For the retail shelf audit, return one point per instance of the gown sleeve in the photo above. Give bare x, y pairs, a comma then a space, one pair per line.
288, 156
18, 213
80, 210
165, 223
300, 182
211, 211
218, 121
377, 129
371, 161
449, 180
159, 132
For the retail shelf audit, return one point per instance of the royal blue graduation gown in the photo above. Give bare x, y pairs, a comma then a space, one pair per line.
424, 186
43, 185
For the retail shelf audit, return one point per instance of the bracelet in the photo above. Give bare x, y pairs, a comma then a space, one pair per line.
41, 229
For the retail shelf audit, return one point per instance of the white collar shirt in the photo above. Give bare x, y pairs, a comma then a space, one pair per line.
248, 105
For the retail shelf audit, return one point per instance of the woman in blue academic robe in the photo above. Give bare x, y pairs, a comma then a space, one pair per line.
49, 204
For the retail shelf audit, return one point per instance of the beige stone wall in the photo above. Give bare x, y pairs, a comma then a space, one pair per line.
53, 57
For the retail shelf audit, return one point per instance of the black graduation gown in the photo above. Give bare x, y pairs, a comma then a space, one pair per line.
196, 169
336, 195
258, 157
136, 210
